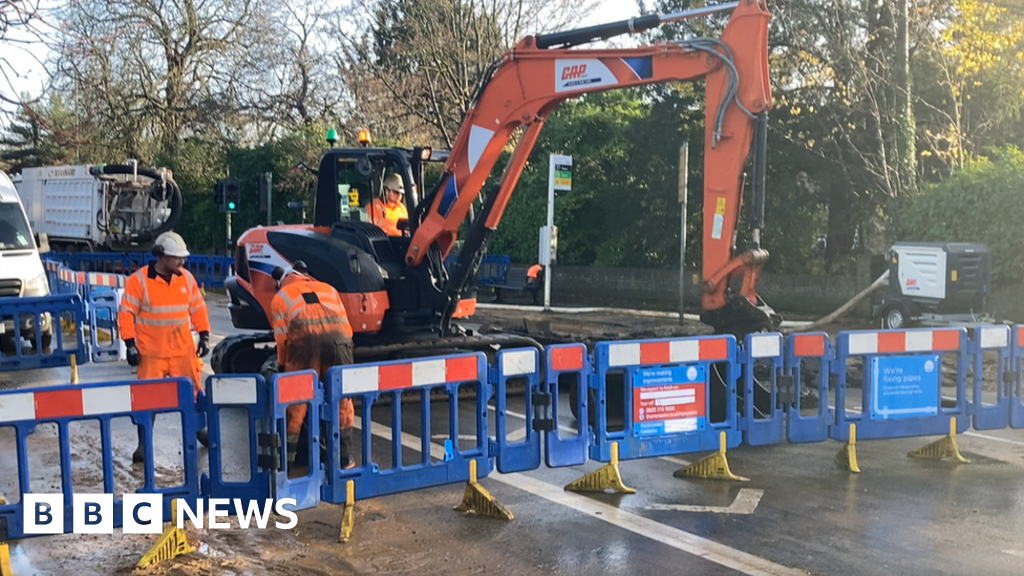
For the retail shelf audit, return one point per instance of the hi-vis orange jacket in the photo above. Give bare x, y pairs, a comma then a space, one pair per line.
387, 215
306, 307
157, 314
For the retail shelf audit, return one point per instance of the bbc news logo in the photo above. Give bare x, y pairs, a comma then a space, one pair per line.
144, 513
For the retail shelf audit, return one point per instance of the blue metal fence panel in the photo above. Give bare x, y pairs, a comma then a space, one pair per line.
993, 340
807, 363
762, 363
366, 383
678, 395
901, 376
21, 319
24, 409
569, 363
520, 367
248, 392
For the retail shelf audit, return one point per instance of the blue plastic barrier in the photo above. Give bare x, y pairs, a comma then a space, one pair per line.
667, 395
1015, 377
246, 392
210, 271
901, 378
286, 390
524, 454
993, 339
569, 363
19, 314
23, 410
493, 269
366, 383
815, 349
105, 344
762, 361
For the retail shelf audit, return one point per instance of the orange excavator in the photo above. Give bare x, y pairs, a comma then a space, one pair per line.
403, 294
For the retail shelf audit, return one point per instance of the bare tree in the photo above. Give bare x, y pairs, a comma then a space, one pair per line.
22, 28
157, 71
425, 59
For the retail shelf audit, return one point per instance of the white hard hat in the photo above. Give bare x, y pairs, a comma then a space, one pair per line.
394, 182
170, 244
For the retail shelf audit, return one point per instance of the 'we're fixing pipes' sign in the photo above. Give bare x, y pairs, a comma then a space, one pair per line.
905, 386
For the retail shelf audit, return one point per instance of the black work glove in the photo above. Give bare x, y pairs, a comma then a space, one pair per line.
133, 352
204, 344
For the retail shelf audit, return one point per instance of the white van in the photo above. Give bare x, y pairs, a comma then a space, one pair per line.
21, 269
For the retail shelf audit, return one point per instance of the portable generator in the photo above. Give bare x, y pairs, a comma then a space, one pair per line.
936, 284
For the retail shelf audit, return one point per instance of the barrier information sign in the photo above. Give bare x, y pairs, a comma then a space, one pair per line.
669, 400
905, 386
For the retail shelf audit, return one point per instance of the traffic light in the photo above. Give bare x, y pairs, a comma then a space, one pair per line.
227, 194
266, 183
231, 195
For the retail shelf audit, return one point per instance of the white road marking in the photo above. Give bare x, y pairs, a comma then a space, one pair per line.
994, 438
859, 408
691, 544
520, 434
745, 503
680, 540
468, 437
1016, 553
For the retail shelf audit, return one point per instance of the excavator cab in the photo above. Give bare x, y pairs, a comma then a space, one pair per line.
350, 178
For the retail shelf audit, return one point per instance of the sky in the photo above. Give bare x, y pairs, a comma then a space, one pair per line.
30, 77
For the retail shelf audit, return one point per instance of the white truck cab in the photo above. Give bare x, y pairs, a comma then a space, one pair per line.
21, 270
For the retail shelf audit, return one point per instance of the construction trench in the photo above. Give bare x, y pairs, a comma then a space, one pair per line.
799, 513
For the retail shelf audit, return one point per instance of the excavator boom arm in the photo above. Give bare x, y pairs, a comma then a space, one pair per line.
531, 81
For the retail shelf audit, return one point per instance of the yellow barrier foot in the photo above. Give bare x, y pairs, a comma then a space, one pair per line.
477, 499
714, 466
202, 289
348, 516
847, 456
605, 479
946, 449
74, 369
171, 544
5, 560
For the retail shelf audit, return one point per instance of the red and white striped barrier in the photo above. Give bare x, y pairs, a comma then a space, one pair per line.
410, 374
88, 401
666, 351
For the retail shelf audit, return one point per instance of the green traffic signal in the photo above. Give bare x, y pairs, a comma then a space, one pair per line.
231, 205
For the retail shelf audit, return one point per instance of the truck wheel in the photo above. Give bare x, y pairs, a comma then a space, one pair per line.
894, 317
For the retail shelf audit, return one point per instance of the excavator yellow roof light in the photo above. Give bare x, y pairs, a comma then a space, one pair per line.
364, 136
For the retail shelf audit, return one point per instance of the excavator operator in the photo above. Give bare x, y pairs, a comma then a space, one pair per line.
386, 214
312, 332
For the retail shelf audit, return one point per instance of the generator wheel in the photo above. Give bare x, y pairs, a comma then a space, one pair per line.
895, 317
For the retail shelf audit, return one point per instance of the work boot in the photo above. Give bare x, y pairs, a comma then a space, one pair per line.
139, 455
293, 448
347, 446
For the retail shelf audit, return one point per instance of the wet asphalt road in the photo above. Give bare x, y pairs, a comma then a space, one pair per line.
799, 513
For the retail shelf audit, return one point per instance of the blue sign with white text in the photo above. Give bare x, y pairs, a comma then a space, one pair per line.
904, 386
669, 400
